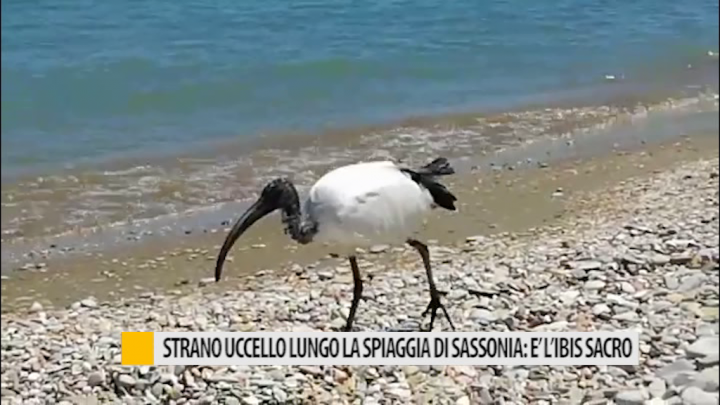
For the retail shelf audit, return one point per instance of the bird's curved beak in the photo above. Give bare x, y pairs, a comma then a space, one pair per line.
256, 211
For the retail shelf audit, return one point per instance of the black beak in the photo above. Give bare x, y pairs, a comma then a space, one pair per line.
256, 211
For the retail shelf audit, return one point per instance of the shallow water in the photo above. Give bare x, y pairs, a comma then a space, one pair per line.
86, 81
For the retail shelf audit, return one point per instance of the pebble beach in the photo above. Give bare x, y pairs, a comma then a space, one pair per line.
641, 254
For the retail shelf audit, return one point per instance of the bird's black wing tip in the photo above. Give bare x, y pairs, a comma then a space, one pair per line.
438, 167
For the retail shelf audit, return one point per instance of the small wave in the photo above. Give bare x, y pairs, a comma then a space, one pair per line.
126, 172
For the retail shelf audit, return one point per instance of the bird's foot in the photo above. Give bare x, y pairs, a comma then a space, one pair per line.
432, 308
344, 328
347, 327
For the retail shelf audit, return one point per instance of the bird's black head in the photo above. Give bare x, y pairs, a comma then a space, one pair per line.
277, 194
278, 191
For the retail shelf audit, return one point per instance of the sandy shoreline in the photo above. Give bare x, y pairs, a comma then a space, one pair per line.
491, 201
62, 214
638, 251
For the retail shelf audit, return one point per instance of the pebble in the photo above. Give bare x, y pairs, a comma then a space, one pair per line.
279, 394
709, 361
484, 316
251, 400
659, 260
655, 401
464, 400
600, 309
568, 297
399, 393
326, 275
593, 285
671, 282
674, 369
691, 283
311, 370
657, 388
618, 300
628, 316
375, 249
634, 397
588, 265
158, 389
89, 303
627, 288
696, 396
708, 379
36, 307
126, 381
96, 378
704, 347
206, 281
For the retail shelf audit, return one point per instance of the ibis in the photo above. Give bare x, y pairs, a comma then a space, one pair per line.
357, 206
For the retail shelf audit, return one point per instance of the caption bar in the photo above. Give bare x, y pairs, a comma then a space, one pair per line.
375, 349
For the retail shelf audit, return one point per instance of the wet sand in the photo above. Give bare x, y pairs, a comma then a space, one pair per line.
491, 201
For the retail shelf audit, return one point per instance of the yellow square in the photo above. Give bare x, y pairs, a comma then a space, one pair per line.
137, 348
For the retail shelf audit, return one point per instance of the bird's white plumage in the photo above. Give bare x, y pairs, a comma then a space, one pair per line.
367, 203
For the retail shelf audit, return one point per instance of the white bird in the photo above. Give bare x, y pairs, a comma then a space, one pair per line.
356, 206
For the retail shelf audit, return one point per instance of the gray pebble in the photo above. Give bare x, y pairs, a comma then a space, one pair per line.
587, 265
251, 400
657, 388
206, 281
704, 347
464, 400
671, 282
696, 396
672, 370
126, 381
628, 316
659, 259
96, 378
708, 379
691, 283
594, 285
36, 307
325, 275
483, 316
375, 249
600, 309
279, 394
89, 302
158, 389
709, 361
634, 397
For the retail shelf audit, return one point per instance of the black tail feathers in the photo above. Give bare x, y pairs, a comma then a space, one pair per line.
441, 195
438, 167
425, 177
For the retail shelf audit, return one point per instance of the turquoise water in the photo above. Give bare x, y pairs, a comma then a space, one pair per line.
90, 81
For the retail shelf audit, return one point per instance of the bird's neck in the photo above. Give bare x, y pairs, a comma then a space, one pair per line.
297, 225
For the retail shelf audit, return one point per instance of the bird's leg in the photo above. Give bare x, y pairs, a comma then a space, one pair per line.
434, 293
357, 292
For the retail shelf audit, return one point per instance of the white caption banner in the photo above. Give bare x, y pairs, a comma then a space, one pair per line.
396, 348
